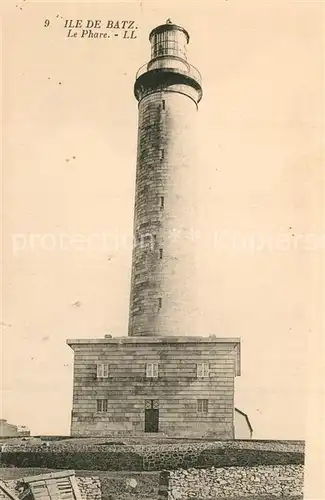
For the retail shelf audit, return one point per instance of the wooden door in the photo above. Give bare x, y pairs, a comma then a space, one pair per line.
151, 422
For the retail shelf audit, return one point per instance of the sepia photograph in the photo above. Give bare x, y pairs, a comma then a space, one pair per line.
162, 250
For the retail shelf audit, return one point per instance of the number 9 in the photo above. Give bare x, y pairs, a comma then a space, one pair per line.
47, 23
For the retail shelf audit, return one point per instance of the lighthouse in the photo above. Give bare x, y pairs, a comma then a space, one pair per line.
164, 272
164, 376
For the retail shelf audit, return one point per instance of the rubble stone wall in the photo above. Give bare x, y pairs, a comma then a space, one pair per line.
277, 481
90, 488
156, 456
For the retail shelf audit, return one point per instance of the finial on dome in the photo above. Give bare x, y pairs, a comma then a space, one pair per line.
169, 21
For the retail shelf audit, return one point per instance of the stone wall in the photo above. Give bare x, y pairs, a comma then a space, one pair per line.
278, 481
90, 488
177, 387
150, 457
67, 443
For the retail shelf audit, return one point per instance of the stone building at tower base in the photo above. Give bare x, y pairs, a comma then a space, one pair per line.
176, 386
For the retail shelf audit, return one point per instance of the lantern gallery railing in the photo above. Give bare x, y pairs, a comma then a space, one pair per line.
174, 64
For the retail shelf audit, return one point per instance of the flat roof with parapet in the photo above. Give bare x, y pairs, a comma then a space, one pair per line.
156, 340
163, 340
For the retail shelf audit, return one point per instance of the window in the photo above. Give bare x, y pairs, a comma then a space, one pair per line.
202, 406
159, 303
162, 154
160, 253
102, 370
102, 405
163, 104
167, 43
152, 370
146, 241
162, 202
202, 370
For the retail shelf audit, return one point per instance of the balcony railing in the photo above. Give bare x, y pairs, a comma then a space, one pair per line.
174, 64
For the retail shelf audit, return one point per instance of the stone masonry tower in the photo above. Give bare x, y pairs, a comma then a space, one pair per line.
163, 377
163, 287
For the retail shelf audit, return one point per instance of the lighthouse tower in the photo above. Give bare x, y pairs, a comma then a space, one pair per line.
163, 377
164, 285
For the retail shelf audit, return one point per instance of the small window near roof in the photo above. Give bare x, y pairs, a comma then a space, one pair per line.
202, 370
102, 370
152, 370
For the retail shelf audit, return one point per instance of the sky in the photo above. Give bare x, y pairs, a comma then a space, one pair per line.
69, 152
